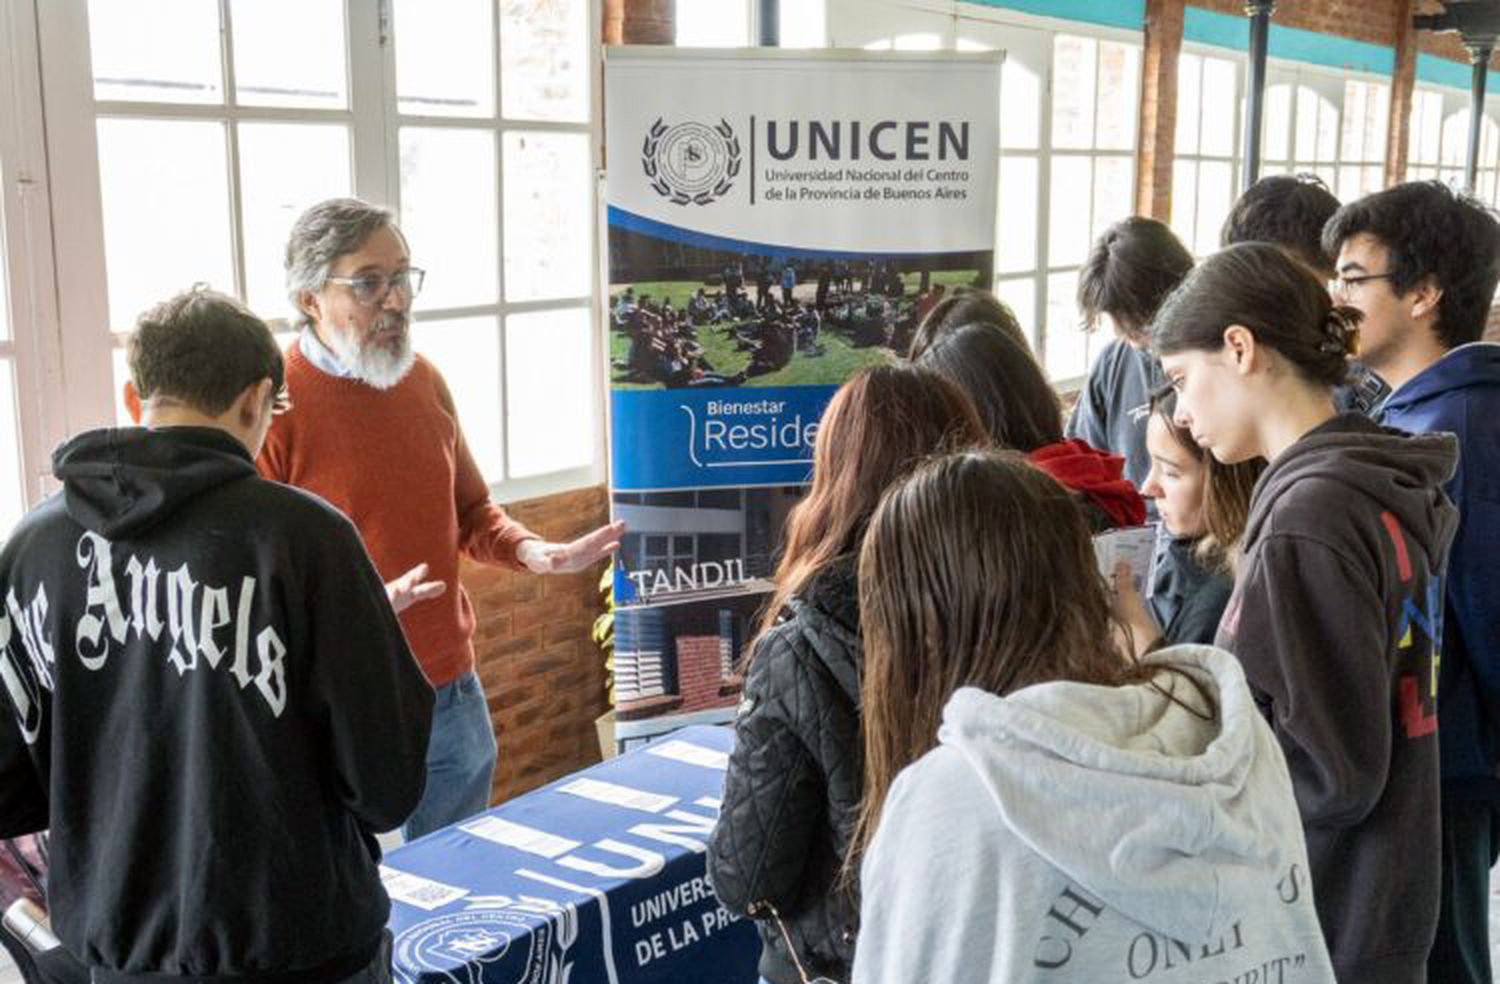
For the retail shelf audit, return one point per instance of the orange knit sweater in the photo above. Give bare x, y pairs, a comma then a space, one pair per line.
395, 462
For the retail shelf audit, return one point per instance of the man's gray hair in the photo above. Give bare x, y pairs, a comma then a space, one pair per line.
325, 232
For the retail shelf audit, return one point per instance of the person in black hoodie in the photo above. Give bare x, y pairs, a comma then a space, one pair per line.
1337, 606
204, 690
795, 776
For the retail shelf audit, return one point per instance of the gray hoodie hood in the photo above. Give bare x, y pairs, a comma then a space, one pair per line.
1167, 816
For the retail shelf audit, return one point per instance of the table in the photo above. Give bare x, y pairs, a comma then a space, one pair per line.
598, 877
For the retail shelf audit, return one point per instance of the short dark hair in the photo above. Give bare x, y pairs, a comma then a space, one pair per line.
1132, 267
964, 306
203, 349
1279, 299
1285, 210
1431, 230
1001, 376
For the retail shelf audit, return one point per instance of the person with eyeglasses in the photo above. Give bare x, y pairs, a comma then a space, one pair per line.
375, 432
204, 693
1421, 262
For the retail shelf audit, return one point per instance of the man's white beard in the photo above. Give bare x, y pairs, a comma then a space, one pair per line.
377, 365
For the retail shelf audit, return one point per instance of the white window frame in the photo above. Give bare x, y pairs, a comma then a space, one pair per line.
40, 411
77, 215
855, 23
1198, 159
1457, 102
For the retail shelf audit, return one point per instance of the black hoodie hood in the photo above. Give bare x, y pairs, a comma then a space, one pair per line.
828, 609
1403, 474
119, 482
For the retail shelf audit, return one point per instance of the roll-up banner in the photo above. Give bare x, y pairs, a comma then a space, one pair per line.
777, 220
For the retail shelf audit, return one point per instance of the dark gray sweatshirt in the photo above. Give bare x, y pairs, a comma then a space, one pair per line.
1336, 616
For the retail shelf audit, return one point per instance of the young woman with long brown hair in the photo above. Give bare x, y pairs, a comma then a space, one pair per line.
1038, 807
1203, 504
794, 777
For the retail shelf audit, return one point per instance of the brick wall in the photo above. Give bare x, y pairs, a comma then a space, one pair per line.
542, 673
1374, 21
699, 671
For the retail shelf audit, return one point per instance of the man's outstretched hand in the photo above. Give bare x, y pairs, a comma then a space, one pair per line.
541, 557
410, 588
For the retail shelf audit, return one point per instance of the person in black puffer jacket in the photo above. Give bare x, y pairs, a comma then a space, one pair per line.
795, 777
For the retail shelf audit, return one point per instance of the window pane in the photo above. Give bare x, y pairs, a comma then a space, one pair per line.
1119, 76
1218, 107
274, 66
1016, 223
1277, 124
284, 168
1189, 92
1020, 106
549, 195
1430, 145
1067, 342
161, 50
1068, 227
803, 23
12, 481
1348, 186
918, 42
1215, 196
1185, 206
1073, 91
1307, 123
445, 58
548, 364
4, 279
165, 190
449, 214
467, 353
1455, 139
544, 62
1328, 131
1356, 99
713, 23
1019, 294
1113, 192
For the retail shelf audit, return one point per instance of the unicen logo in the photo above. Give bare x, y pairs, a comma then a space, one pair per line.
457, 947
691, 163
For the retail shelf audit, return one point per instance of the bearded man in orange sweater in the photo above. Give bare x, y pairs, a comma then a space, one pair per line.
374, 431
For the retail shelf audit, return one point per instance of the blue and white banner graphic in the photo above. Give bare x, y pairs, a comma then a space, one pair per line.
598, 877
777, 221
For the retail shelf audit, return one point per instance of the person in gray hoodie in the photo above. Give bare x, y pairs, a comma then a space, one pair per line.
1337, 607
1072, 815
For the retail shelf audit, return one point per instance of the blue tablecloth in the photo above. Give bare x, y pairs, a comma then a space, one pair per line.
598, 877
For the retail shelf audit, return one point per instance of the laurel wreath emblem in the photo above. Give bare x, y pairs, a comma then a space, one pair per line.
659, 183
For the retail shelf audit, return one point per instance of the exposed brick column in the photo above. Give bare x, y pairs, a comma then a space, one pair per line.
1403, 80
1158, 111
640, 21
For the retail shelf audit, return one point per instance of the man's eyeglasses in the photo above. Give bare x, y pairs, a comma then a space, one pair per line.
373, 287
1341, 286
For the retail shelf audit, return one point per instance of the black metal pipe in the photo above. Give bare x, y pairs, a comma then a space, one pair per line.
770, 23
1259, 12
1481, 55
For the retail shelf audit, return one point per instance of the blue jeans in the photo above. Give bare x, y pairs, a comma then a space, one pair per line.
460, 759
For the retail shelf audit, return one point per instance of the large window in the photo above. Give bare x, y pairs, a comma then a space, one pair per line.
1327, 124
214, 125
1438, 143
731, 23
1206, 167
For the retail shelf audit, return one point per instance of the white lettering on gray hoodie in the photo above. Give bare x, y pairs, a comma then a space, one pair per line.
1082, 833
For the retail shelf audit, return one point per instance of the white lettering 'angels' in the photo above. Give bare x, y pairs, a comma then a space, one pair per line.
195, 615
